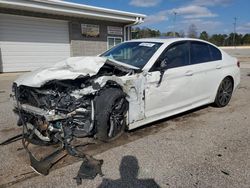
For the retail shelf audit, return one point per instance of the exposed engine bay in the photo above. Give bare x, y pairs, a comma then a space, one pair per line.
63, 108
50, 108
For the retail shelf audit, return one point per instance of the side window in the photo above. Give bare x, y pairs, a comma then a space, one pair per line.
215, 53
200, 53
175, 56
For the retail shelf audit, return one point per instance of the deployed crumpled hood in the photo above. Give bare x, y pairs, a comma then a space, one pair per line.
70, 68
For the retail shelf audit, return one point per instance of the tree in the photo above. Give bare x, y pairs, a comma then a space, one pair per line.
246, 39
144, 33
218, 39
204, 35
238, 39
170, 34
182, 33
192, 31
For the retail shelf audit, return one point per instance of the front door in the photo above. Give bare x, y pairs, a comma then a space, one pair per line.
173, 93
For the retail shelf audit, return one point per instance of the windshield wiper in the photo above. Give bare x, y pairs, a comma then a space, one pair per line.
119, 63
121, 66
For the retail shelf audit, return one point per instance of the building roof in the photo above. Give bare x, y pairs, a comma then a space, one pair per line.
58, 7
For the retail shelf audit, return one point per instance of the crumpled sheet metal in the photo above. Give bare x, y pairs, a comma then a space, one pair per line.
70, 68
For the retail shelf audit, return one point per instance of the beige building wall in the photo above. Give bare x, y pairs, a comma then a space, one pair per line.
87, 48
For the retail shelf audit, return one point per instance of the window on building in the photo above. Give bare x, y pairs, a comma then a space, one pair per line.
113, 41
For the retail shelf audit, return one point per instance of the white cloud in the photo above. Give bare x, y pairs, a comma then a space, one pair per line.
144, 3
211, 2
244, 28
194, 11
188, 12
157, 18
202, 25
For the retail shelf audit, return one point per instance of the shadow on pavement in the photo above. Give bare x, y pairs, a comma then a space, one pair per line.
129, 169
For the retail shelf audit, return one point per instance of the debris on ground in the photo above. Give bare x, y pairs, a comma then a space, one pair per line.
89, 169
12, 139
224, 172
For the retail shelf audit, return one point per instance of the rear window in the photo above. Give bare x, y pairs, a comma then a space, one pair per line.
200, 53
215, 53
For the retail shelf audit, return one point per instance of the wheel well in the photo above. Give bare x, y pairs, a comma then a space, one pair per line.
231, 78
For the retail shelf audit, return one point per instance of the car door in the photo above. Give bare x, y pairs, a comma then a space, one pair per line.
206, 67
171, 93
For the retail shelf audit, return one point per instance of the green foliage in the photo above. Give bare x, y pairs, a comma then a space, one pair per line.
204, 35
230, 40
217, 39
145, 33
192, 31
170, 34
246, 39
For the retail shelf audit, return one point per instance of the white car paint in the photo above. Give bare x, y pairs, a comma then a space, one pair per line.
181, 89
69, 68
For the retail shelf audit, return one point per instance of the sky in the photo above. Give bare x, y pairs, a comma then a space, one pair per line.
213, 16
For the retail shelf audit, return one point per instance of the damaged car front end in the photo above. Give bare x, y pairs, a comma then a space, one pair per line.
95, 97
60, 109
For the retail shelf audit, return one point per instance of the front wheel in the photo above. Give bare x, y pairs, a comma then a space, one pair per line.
224, 92
111, 108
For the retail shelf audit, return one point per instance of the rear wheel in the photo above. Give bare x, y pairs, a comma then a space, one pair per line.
111, 109
224, 92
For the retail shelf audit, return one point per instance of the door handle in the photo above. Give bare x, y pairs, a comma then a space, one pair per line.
218, 67
189, 73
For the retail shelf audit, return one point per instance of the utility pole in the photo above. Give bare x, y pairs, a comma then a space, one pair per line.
235, 19
175, 13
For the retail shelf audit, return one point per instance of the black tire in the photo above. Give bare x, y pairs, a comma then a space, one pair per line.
110, 111
224, 92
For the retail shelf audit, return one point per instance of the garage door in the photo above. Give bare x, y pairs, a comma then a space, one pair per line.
27, 43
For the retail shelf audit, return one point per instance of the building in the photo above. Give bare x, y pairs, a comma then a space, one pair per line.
34, 33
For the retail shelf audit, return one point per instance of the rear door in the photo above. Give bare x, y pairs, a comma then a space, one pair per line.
206, 68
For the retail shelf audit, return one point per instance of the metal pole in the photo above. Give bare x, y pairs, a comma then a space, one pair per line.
174, 22
235, 19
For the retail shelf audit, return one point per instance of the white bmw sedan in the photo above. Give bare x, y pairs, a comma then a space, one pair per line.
130, 85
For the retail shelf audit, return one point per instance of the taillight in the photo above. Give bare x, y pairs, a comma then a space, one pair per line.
238, 64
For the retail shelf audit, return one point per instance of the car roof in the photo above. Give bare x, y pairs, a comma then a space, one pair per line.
169, 40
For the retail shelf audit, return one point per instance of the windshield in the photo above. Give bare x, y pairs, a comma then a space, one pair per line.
133, 53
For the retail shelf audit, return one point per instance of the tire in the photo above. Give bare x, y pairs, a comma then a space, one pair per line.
110, 114
224, 93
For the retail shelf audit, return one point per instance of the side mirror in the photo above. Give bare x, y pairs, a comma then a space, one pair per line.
162, 68
163, 64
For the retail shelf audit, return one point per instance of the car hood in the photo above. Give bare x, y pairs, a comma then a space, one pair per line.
71, 68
